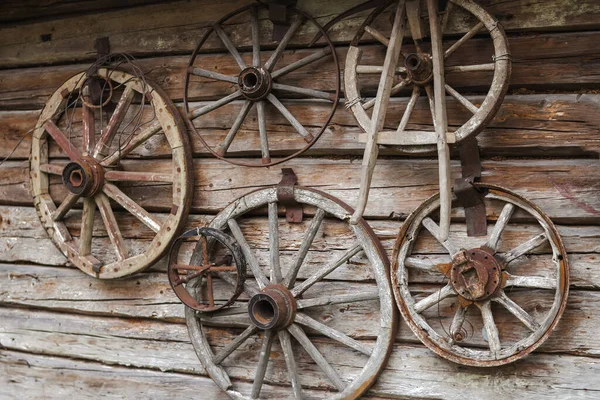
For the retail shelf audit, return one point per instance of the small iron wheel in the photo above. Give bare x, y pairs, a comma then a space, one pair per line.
85, 138
290, 316
262, 77
482, 280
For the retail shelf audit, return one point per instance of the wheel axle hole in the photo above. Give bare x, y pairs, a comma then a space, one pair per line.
412, 62
76, 178
264, 312
250, 80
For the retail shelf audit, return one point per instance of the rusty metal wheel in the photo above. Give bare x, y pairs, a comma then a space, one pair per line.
295, 293
82, 149
259, 77
502, 280
416, 75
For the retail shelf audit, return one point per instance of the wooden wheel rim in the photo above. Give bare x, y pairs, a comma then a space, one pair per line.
435, 341
334, 97
169, 123
376, 255
489, 106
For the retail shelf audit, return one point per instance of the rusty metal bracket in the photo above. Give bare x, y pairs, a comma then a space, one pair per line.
285, 195
102, 47
467, 195
278, 14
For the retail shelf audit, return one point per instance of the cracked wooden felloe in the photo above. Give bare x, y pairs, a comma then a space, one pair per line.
93, 171
479, 276
279, 309
259, 84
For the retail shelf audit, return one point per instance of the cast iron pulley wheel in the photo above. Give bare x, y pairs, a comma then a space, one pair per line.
231, 266
295, 314
274, 103
420, 65
83, 151
482, 301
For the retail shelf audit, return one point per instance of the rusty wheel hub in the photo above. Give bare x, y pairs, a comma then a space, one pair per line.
255, 83
475, 274
419, 68
273, 308
84, 177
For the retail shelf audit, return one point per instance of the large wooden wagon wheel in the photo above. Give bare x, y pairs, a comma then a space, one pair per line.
289, 311
419, 70
259, 79
483, 280
93, 165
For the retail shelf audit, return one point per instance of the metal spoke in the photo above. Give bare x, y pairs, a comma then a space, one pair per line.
434, 229
336, 299
457, 322
110, 222
409, 109
532, 282
501, 223
61, 140
255, 37
108, 134
525, 248
301, 63
490, 327
229, 45
317, 94
270, 64
276, 276
461, 99
517, 311
377, 35
135, 209
395, 90
259, 275
234, 344
290, 362
316, 355
133, 143
87, 227
262, 132
65, 206
308, 137
471, 68
263, 360
131, 176
200, 111
323, 272
234, 128
333, 334
212, 75
434, 298
463, 39
315, 224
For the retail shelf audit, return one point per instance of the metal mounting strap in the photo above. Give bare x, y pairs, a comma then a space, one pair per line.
467, 195
279, 16
285, 195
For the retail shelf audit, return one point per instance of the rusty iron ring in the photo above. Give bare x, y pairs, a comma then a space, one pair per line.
108, 98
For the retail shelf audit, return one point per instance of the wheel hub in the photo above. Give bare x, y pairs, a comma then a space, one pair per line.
255, 83
475, 274
419, 68
84, 177
273, 308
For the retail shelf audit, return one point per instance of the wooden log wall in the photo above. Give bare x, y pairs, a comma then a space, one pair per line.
63, 333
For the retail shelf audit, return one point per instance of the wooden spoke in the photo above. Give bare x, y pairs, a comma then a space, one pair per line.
212, 75
471, 68
333, 334
315, 224
316, 355
262, 132
308, 137
336, 299
490, 327
89, 128
317, 94
87, 227
301, 63
61, 140
525, 248
233, 345
230, 280
457, 322
133, 143
200, 111
434, 229
503, 218
52, 169
270, 64
517, 311
532, 282
290, 362
416, 263
461, 99
230, 46
65, 206
413, 14
409, 109
395, 90
255, 37
376, 69
263, 360
434, 298
323, 272
260, 277
446, 17
222, 149
429, 91
377, 35
110, 222
472, 32
131, 176
276, 276
114, 123
135, 209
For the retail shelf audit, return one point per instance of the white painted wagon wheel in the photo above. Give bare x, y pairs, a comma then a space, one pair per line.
478, 277
415, 74
97, 166
286, 302
259, 84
